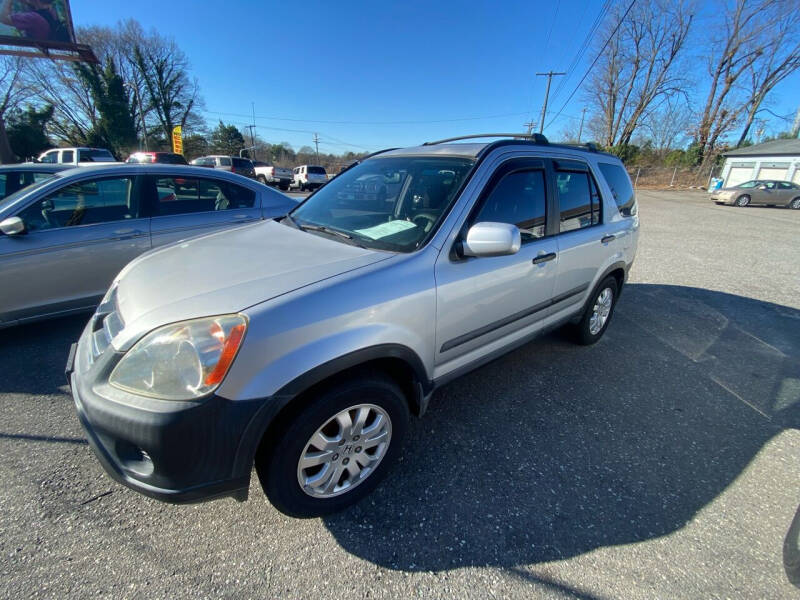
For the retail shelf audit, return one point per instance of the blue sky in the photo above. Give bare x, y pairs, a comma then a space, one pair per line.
369, 75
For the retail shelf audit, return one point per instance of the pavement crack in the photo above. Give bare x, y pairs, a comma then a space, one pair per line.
97, 497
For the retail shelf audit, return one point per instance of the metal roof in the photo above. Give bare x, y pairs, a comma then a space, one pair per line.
773, 148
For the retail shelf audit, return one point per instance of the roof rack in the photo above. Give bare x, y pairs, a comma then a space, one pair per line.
536, 138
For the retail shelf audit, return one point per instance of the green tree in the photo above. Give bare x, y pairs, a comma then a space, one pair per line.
226, 139
115, 128
27, 130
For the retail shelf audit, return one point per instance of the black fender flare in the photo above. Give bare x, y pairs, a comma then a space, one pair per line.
273, 405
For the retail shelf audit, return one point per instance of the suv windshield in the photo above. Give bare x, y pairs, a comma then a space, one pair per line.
391, 203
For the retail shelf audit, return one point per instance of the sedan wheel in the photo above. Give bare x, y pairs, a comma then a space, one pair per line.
743, 200
795, 204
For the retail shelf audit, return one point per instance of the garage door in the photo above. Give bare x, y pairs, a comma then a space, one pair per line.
796, 177
739, 175
776, 174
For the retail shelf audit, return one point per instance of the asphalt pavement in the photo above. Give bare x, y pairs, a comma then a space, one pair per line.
663, 462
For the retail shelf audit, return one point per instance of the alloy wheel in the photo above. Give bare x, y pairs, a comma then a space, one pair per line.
601, 310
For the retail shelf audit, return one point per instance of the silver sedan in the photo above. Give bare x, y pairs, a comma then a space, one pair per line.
64, 239
760, 191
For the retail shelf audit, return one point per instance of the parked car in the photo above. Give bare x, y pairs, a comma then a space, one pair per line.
15, 177
760, 191
301, 345
271, 175
308, 177
233, 164
168, 158
63, 240
76, 156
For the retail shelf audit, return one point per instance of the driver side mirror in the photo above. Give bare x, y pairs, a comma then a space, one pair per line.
491, 239
763, 186
12, 226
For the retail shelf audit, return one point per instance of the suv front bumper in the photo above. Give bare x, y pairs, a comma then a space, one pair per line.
172, 451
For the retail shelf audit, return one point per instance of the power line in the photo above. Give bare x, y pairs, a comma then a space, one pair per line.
596, 58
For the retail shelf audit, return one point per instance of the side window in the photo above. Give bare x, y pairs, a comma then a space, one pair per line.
222, 195
578, 200
67, 156
520, 199
785, 186
177, 196
225, 161
51, 157
37, 177
617, 179
83, 203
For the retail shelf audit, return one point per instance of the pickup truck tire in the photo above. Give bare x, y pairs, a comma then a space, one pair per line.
598, 312
284, 186
336, 449
262, 179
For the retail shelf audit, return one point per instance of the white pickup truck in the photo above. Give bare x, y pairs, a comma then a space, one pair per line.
76, 156
271, 175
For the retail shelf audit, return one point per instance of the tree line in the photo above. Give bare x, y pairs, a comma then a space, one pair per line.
674, 86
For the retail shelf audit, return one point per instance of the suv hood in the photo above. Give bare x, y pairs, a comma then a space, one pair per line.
226, 272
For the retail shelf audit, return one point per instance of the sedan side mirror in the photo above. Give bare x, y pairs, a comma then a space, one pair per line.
12, 226
762, 187
491, 239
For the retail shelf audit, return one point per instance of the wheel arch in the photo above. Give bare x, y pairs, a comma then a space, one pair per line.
398, 362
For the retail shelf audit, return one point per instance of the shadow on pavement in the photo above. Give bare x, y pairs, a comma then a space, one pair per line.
33, 356
555, 449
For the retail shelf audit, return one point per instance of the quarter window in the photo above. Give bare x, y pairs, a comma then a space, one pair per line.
520, 199
83, 203
621, 188
578, 200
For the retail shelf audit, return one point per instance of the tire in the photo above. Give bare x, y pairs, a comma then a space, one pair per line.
262, 179
586, 332
284, 187
794, 204
742, 200
278, 463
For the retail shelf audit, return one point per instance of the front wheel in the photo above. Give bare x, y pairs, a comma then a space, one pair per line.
336, 450
599, 310
743, 200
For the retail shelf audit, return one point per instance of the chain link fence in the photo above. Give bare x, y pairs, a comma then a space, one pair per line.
672, 177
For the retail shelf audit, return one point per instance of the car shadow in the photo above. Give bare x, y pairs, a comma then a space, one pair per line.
33, 356
555, 449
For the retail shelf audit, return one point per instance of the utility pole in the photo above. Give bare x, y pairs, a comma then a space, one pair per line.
252, 140
549, 76
796, 124
530, 125
316, 143
580, 131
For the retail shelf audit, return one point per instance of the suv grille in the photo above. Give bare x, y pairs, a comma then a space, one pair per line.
106, 324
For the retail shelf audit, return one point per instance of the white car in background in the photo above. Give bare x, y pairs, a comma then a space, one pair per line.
271, 175
308, 177
78, 157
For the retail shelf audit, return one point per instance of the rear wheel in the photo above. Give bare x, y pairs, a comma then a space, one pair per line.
598, 312
262, 179
337, 449
795, 204
284, 186
743, 200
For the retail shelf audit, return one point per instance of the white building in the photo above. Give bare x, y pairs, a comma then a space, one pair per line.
778, 159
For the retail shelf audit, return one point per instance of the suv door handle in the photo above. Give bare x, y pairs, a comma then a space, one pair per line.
542, 258
608, 238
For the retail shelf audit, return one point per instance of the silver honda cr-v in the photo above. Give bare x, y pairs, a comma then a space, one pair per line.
301, 345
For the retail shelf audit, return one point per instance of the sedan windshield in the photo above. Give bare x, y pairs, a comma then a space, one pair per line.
748, 184
392, 203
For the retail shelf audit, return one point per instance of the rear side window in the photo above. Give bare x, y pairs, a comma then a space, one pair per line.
520, 199
578, 200
316, 170
617, 179
180, 195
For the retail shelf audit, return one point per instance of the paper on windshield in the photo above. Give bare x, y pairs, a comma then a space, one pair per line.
385, 229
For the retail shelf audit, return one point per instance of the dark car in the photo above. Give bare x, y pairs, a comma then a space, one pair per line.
15, 177
234, 164
167, 158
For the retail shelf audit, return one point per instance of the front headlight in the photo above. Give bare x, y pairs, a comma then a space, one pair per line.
182, 361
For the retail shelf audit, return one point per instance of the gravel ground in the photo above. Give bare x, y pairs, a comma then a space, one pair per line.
662, 462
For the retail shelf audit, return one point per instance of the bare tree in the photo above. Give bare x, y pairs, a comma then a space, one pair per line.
745, 40
668, 127
639, 67
780, 59
12, 92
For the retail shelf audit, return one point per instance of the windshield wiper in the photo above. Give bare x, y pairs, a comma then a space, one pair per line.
329, 231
